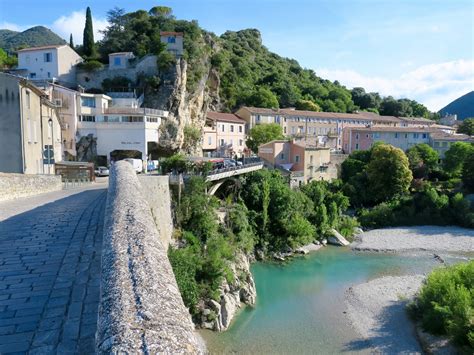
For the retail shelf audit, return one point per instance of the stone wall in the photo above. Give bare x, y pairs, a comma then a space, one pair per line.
156, 190
141, 310
14, 186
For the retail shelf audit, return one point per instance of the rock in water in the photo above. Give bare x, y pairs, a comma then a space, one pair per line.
337, 238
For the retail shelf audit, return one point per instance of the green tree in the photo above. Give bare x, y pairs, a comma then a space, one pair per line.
423, 160
468, 173
7, 61
455, 156
71, 42
388, 173
262, 134
163, 11
307, 105
467, 127
263, 97
88, 39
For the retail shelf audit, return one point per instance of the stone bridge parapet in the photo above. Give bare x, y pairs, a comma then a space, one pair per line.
141, 310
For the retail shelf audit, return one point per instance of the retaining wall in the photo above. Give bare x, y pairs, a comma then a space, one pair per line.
141, 310
14, 186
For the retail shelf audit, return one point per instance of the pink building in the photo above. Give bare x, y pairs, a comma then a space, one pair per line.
224, 135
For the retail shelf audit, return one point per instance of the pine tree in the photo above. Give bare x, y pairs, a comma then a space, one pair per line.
88, 40
71, 42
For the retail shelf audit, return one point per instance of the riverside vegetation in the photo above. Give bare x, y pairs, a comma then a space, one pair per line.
445, 304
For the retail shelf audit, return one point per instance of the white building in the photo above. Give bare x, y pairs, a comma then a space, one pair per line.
173, 41
49, 63
125, 127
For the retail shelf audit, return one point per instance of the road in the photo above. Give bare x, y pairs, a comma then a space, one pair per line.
50, 250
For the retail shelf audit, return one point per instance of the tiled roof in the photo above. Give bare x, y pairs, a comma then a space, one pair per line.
226, 117
171, 33
41, 48
334, 115
391, 129
417, 120
438, 135
120, 53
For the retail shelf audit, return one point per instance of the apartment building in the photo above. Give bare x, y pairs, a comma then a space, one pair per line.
442, 141
301, 161
118, 124
30, 129
316, 128
226, 132
49, 63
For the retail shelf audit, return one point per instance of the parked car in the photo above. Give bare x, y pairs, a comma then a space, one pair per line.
229, 163
102, 171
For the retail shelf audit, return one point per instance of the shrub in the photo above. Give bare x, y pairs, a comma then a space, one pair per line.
445, 304
346, 226
90, 65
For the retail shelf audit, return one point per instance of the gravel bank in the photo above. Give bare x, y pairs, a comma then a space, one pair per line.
376, 309
422, 238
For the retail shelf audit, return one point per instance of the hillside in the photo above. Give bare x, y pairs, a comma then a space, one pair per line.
462, 106
32, 37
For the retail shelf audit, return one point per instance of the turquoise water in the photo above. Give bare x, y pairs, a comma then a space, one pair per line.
300, 304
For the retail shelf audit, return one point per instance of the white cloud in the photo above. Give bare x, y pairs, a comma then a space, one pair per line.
12, 26
74, 23
434, 85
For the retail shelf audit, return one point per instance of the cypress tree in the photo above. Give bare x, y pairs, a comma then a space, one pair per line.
88, 40
71, 42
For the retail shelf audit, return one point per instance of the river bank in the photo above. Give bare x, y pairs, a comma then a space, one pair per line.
377, 308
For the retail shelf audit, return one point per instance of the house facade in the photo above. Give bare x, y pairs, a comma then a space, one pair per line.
300, 161
120, 60
124, 127
442, 141
315, 128
225, 132
49, 63
30, 130
174, 42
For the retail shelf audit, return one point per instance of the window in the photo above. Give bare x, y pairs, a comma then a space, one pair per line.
152, 119
88, 101
117, 61
86, 118
32, 75
311, 159
48, 57
223, 127
241, 129
297, 158
171, 39
222, 142
424, 135
416, 135
258, 118
293, 130
284, 130
209, 140
366, 136
357, 135
406, 135
49, 75
396, 135
282, 156
357, 146
241, 142
232, 128
436, 144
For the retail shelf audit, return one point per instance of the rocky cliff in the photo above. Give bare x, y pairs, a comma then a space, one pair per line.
186, 102
217, 315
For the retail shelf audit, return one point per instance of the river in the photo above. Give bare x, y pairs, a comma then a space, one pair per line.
300, 304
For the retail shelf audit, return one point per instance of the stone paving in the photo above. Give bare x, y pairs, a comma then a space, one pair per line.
50, 273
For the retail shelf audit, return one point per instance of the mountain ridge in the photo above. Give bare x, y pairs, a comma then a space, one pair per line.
11, 41
463, 106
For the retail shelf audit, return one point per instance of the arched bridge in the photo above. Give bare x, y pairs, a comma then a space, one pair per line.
219, 176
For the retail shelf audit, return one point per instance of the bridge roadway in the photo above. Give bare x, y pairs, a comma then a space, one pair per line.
50, 254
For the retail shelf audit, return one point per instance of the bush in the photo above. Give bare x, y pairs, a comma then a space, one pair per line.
164, 60
445, 304
90, 65
346, 226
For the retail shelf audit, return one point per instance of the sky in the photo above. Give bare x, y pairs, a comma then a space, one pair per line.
419, 49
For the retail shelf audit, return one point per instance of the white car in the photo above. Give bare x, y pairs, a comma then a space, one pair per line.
102, 171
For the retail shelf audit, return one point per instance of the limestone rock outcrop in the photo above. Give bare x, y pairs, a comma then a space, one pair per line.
218, 315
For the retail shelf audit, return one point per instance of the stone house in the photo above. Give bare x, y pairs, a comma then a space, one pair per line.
225, 132
174, 42
30, 129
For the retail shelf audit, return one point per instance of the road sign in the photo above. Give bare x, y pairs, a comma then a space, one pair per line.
48, 154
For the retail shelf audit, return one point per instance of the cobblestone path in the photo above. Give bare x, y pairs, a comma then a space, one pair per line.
50, 275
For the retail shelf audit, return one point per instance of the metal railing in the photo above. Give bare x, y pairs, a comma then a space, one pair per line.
133, 110
234, 168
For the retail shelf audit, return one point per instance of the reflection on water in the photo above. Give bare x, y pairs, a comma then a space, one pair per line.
300, 304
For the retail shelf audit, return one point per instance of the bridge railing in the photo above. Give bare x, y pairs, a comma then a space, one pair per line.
140, 310
233, 168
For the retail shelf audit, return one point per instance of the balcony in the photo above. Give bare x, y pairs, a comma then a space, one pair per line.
134, 111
